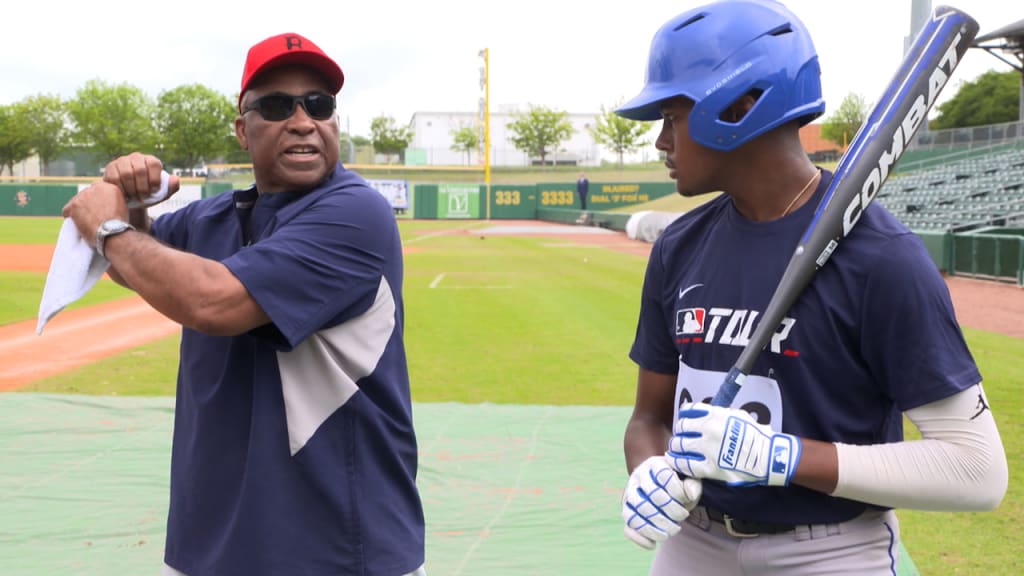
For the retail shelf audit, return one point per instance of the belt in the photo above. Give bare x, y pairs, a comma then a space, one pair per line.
746, 528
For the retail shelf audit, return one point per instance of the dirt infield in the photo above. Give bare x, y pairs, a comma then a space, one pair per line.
81, 336
25, 257
989, 306
77, 337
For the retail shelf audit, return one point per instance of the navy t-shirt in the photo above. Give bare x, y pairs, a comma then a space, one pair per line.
872, 335
294, 450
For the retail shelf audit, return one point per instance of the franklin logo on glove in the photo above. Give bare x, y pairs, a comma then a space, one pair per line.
728, 445
729, 454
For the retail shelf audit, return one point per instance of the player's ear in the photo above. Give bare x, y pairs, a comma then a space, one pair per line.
738, 109
243, 139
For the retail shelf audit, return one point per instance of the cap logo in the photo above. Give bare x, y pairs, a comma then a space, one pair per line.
291, 42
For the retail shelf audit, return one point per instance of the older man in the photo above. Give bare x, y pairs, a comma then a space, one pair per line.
294, 450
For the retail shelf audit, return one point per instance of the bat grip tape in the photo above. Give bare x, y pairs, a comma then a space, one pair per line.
729, 389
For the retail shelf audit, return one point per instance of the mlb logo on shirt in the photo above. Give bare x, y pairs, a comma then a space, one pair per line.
690, 321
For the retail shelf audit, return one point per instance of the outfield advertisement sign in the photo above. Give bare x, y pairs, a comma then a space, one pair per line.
458, 201
394, 191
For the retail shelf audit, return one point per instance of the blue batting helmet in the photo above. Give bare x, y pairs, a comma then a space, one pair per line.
721, 51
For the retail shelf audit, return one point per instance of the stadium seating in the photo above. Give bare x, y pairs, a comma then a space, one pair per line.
975, 192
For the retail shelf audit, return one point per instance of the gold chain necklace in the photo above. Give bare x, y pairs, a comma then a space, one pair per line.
804, 189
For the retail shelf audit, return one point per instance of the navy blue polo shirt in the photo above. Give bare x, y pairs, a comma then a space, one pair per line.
294, 450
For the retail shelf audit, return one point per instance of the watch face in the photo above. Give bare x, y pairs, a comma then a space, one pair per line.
113, 225
109, 228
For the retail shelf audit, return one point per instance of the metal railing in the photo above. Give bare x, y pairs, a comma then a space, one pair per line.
972, 137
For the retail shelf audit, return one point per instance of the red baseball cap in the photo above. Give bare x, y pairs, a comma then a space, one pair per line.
289, 48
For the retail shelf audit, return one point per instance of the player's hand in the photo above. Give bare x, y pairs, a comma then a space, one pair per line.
656, 502
727, 444
138, 177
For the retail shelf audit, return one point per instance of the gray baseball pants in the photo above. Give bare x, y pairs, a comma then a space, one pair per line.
864, 546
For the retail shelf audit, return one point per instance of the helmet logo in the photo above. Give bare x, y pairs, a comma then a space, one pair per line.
728, 78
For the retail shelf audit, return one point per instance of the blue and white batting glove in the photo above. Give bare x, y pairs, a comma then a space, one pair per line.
727, 444
656, 502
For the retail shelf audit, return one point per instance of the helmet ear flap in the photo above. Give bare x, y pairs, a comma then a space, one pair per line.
730, 116
736, 111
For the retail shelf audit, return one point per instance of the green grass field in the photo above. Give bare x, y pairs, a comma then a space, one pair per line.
532, 320
20, 291
30, 230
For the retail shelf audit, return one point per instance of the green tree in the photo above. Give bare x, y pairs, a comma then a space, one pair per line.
465, 139
620, 134
539, 131
233, 152
841, 126
389, 139
50, 127
192, 121
15, 135
992, 98
113, 120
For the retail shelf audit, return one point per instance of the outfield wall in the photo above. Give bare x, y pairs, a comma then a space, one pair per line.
425, 201
995, 254
35, 199
31, 199
527, 201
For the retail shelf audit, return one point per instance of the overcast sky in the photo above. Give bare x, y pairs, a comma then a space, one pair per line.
404, 56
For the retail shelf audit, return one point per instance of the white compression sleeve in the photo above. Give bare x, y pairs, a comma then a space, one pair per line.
958, 464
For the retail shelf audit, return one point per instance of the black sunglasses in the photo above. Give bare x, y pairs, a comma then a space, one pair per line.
278, 106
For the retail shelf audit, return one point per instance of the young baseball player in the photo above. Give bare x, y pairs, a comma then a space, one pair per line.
801, 475
294, 451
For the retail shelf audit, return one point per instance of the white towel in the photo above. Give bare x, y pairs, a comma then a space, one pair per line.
76, 266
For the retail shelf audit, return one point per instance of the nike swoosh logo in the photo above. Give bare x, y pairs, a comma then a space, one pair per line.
682, 292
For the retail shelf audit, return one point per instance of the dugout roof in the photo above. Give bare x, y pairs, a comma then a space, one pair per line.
1013, 33
1009, 38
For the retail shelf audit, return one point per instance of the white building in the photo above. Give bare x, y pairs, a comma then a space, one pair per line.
25, 169
432, 140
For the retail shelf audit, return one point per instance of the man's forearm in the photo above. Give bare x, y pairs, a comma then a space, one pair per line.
195, 292
138, 217
644, 438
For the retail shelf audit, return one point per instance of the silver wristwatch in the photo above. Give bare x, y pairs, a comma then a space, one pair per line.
110, 228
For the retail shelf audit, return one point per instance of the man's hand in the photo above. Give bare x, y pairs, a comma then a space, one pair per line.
138, 176
128, 181
93, 205
656, 502
727, 444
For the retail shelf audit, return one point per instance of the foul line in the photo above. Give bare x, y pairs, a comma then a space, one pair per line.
424, 237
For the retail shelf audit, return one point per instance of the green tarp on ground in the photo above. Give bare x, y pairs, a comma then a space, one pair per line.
507, 490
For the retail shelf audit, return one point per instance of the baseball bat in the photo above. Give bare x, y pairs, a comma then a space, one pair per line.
863, 168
